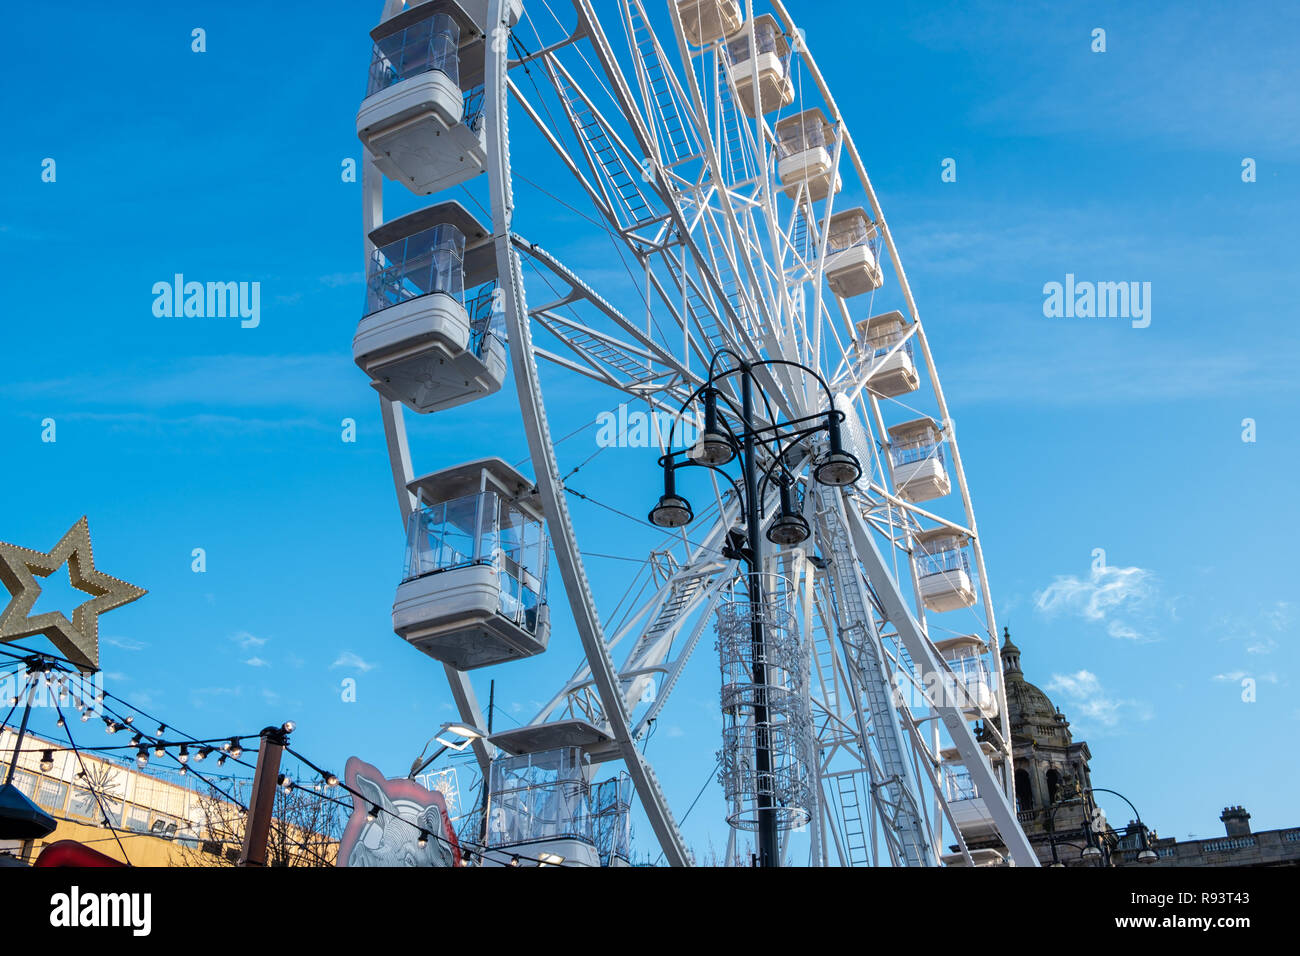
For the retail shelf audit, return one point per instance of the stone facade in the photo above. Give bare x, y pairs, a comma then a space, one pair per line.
1238, 846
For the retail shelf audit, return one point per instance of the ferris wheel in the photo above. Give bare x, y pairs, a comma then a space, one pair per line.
700, 138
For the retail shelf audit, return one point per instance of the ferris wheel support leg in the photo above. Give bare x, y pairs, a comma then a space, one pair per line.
981, 772
524, 368
462, 690
399, 455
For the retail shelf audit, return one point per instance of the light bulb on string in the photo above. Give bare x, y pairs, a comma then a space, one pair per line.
184, 755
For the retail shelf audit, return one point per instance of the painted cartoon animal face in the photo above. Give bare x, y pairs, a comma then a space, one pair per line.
392, 838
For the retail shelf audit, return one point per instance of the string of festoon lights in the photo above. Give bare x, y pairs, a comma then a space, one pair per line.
52, 675
45, 672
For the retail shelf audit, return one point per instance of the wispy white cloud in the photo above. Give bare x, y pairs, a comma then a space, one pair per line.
144, 698
1106, 591
205, 425
1122, 631
353, 661
336, 280
126, 643
1259, 630
1236, 677
202, 696
1144, 88
246, 640
1044, 362
1088, 701
221, 381
257, 662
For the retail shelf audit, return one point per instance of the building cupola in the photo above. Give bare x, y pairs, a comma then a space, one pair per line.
1010, 653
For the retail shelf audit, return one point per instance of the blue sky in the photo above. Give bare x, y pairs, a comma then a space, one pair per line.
1077, 434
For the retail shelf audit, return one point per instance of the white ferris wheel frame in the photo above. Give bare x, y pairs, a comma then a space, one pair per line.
689, 591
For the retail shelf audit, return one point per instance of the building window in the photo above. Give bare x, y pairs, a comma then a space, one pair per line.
1024, 792
52, 794
137, 819
25, 782
1053, 785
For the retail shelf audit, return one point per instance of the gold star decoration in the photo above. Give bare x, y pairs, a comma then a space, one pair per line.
78, 639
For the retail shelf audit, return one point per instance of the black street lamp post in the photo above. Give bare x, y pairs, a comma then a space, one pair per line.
716, 448
1096, 849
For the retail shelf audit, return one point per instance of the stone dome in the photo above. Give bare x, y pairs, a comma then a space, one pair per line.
1026, 703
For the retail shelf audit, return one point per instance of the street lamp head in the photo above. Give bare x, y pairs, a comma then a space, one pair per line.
1147, 856
715, 447
839, 467
788, 530
1091, 853
672, 511
790, 527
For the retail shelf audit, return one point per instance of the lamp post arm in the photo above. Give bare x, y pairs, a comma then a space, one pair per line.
830, 400
667, 461
1137, 815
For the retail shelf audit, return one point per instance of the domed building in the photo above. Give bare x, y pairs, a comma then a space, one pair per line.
1052, 777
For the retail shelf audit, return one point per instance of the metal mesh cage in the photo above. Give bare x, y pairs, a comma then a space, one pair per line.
764, 699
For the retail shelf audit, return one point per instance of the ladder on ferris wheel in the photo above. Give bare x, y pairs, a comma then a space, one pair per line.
894, 791
845, 796
604, 153
731, 129
604, 353
855, 836
680, 599
656, 77
706, 319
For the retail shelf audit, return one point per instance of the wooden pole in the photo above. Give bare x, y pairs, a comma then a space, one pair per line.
261, 806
